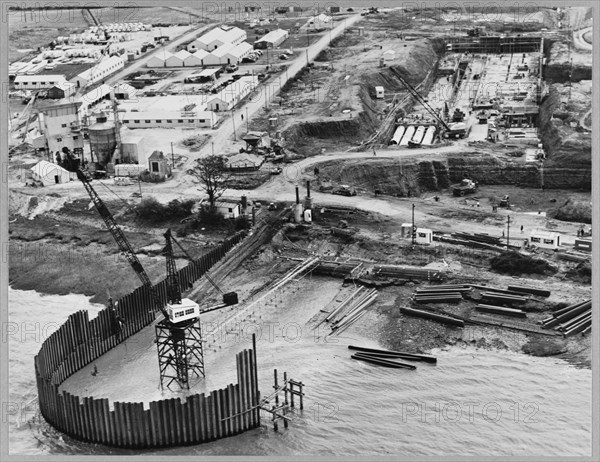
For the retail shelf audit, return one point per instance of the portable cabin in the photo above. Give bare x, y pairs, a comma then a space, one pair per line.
179, 312
424, 236
545, 239
379, 92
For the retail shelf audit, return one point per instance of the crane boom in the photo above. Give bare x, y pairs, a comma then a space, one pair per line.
424, 103
122, 242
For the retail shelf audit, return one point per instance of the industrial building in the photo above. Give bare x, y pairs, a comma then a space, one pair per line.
103, 138
272, 40
60, 123
63, 90
123, 90
239, 52
38, 82
218, 37
133, 148
219, 56
232, 94
99, 72
93, 97
163, 119
172, 60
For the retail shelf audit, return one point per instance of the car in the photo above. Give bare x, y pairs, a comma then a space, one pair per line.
231, 68
272, 206
276, 170
258, 52
284, 57
288, 52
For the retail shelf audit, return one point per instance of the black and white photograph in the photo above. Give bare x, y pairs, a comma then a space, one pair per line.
299, 230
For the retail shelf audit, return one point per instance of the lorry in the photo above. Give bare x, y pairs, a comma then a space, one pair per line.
466, 186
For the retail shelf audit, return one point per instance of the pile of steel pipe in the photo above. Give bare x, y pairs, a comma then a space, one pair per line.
394, 354
354, 309
439, 294
572, 319
501, 310
408, 272
478, 237
338, 269
497, 290
433, 316
368, 358
503, 298
530, 290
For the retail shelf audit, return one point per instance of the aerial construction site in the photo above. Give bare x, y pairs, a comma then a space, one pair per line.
258, 230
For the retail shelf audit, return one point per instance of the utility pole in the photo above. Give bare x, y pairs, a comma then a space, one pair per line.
507, 230
140, 186
233, 121
212, 146
172, 155
413, 230
247, 129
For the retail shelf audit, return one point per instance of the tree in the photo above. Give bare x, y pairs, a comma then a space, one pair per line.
212, 176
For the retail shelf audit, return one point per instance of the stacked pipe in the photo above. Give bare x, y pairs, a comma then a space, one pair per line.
333, 268
433, 316
435, 294
501, 310
505, 299
478, 237
351, 309
530, 290
572, 319
408, 272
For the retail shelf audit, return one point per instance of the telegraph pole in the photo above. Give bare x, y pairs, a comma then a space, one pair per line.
233, 121
507, 230
413, 230
247, 122
172, 155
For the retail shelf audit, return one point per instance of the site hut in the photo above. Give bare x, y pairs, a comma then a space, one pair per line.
228, 209
165, 119
406, 229
218, 57
272, 40
62, 90
38, 82
244, 162
124, 91
219, 37
48, 173
99, 72
379, 92
424, 236
545, 239
60, 124
159, 165
583, 244
320, 21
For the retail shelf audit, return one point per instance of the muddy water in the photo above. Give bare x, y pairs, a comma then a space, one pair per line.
474, 402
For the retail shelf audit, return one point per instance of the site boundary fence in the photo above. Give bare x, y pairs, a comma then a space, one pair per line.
169, 422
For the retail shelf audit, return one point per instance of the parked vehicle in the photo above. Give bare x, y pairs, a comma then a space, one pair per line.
344, 190
466, 186
231, 68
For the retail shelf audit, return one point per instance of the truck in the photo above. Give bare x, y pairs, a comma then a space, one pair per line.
466, 186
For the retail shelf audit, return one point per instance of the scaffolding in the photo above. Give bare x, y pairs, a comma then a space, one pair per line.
180, 353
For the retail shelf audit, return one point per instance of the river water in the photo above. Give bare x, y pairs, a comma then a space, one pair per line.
473, 402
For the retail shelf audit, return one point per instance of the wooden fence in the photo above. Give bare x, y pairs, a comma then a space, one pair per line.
169, 422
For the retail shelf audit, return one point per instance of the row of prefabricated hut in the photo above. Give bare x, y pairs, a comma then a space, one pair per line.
421, 134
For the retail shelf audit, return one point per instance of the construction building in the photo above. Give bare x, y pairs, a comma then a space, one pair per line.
218, 37
99, 72
38, 82
272, 40
158, 165
232, 94
163, 119
60, 124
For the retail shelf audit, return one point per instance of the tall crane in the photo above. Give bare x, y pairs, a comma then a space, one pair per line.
179, 338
